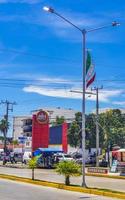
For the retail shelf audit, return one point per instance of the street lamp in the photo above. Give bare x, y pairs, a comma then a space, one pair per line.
83, 32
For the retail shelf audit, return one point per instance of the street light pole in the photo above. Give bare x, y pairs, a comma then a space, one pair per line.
84, 32
83, 106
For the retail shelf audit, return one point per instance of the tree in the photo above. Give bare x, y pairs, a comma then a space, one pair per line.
111, 129
74, 132
58, 121
32, 165
113, 126
15, 142
74, 135
90, 131
68, 169
3, 129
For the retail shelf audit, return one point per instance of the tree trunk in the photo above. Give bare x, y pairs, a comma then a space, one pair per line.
67, 180
33, 174
5, 143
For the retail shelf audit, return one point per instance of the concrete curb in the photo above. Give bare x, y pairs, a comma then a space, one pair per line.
106, 176
64, 187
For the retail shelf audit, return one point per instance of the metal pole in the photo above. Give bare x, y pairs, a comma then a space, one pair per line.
97, 127
51, 10
83, 106
6, 130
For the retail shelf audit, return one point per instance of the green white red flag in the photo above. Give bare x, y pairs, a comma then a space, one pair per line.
90, 70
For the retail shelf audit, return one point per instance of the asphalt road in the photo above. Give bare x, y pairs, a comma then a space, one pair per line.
10, 190
50, 175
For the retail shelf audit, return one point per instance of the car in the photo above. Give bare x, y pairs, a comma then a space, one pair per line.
61, 157
90, 160
26, 157
18, 157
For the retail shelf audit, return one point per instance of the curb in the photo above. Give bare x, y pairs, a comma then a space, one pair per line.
114, 194
106, 176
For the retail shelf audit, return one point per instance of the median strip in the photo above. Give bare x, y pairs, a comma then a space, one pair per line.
102, 192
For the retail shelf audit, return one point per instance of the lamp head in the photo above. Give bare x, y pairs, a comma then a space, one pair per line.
48, 9
115, 23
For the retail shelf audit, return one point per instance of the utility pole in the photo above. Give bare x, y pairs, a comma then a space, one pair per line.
97, 122
9, 107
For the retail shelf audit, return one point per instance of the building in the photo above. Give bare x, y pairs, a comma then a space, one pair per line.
19, 126
22, 125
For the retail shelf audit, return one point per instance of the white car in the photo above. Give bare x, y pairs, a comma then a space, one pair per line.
62, 157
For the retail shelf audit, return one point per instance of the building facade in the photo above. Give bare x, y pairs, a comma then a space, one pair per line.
22, 125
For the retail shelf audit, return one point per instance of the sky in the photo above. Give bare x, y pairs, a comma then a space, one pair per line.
41, 55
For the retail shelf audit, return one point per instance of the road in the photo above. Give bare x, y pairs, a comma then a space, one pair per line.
10, 190
50, 175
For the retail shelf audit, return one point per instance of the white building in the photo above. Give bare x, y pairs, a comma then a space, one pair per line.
18, 124
22, 125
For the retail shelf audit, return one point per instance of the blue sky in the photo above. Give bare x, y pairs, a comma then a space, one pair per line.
41, 55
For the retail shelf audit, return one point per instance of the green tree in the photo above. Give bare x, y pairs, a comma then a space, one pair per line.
58, 121
111, 129
90, 131
78, 117
68, 169
113, 125
3, 129
32, 165
15, 142
74, 132
74, 135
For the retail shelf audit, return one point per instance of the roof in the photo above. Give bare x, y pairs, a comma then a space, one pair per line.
47, 150
121, 150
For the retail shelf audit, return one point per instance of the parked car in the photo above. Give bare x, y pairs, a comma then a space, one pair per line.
62, 157
26, 157
90, 160
18, 157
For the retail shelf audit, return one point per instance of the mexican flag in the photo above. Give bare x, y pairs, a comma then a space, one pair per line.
90, 70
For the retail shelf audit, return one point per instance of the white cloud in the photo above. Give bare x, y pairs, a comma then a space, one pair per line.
60, 91
105, 95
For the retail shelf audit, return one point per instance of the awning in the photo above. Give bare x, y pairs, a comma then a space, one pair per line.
46, 151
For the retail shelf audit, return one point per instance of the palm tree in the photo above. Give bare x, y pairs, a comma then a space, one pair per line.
32, 165
3, 129
68, 169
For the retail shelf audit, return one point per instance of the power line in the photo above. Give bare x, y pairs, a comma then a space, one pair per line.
36, 55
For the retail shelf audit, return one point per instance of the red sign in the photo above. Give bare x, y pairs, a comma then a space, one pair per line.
40, 133
98, 170
42, 117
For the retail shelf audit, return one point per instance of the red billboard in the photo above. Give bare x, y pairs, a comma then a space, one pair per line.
40, 130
